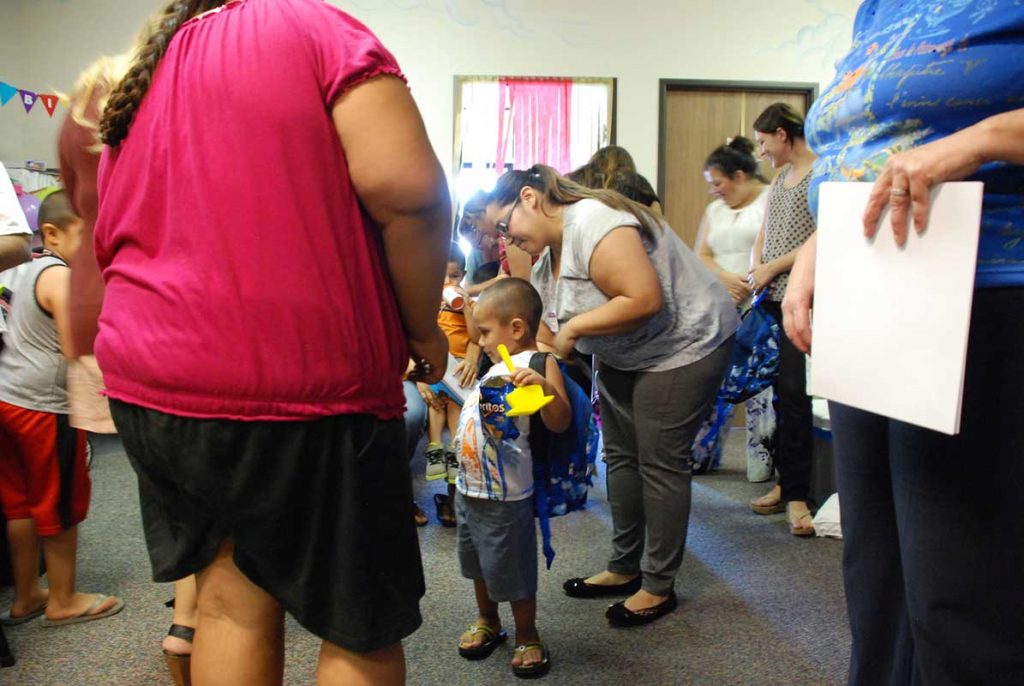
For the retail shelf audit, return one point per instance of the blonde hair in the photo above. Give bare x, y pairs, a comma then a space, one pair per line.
558, 190
603, 166
101, 78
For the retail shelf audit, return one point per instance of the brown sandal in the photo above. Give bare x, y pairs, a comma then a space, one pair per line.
419, 517
180, 666
797, 527
762, 506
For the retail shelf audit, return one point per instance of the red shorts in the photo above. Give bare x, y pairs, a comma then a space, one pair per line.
43, 473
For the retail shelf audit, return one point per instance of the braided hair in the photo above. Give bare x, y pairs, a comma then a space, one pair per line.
124, 102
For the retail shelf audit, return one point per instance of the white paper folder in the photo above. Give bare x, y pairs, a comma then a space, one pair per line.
890, 324
451, 381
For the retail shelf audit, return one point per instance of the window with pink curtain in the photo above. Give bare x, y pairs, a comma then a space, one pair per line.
537, 128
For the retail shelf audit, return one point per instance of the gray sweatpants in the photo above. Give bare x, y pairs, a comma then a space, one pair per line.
650, 420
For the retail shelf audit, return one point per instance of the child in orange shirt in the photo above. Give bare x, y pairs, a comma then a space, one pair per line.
443, 407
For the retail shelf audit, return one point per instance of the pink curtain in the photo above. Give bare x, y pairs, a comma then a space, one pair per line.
538, 128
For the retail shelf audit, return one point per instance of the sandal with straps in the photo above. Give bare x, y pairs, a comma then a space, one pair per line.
802, 524
445, 514
492, 639
537, 669
180, 665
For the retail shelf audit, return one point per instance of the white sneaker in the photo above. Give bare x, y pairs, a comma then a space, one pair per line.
759, 468
436, 467
452, 466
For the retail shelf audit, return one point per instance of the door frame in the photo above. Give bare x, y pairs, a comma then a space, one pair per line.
666, 86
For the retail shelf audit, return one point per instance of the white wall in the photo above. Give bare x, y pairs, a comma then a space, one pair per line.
43, 49
12, 116
639, 43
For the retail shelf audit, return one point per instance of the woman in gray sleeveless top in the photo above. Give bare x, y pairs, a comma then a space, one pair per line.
618, 283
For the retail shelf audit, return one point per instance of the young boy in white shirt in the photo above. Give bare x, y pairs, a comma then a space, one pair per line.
497, 538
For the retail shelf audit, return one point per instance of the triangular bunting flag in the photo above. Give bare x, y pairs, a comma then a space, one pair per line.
28, 99
7, 91
49, 102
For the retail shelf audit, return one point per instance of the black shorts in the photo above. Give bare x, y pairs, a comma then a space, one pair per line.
320, 513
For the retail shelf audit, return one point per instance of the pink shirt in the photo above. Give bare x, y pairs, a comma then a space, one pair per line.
243, 281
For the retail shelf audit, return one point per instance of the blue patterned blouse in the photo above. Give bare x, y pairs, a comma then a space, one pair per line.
917, 72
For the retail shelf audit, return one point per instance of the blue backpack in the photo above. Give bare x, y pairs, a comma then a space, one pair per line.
562, 462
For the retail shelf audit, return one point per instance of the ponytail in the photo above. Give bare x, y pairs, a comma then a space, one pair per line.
559, 190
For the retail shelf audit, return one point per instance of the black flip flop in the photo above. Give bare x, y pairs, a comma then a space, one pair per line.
440, 501
537, 669
493, 640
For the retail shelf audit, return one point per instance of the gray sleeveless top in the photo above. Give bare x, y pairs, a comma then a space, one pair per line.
788, 225
33, 370
697, 316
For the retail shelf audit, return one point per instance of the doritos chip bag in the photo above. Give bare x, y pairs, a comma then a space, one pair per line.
493, 409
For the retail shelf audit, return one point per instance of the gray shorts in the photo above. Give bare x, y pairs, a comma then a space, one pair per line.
497, 543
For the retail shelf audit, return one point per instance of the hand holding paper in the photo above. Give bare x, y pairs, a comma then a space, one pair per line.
908, 177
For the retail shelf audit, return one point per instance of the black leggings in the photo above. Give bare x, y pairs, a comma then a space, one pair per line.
933, 532
793, 448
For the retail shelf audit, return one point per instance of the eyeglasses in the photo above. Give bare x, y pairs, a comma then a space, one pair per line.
501, 226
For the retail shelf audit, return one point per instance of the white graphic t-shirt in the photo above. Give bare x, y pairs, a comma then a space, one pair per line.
493, 450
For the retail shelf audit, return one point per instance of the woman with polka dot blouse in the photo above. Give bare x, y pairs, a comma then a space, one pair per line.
779, 132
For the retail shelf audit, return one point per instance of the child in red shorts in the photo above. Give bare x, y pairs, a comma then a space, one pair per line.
44, 483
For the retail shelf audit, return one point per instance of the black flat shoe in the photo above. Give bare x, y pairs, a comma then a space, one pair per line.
619, 615
579, 588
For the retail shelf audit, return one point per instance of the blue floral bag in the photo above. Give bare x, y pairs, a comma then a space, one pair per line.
755, 357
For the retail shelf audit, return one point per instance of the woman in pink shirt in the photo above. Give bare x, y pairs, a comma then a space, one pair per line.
266, 171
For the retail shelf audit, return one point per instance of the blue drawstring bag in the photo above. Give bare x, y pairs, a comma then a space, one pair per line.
755, 357
754, 367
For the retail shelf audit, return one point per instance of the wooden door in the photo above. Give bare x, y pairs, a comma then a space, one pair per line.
696, 120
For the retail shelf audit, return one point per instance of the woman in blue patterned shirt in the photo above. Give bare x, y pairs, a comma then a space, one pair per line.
932, 524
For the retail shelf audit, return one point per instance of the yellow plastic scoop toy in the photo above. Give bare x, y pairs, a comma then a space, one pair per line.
525, 400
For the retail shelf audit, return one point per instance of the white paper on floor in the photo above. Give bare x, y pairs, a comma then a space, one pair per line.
826, 522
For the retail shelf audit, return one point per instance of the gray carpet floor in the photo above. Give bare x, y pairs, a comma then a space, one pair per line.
758, 606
